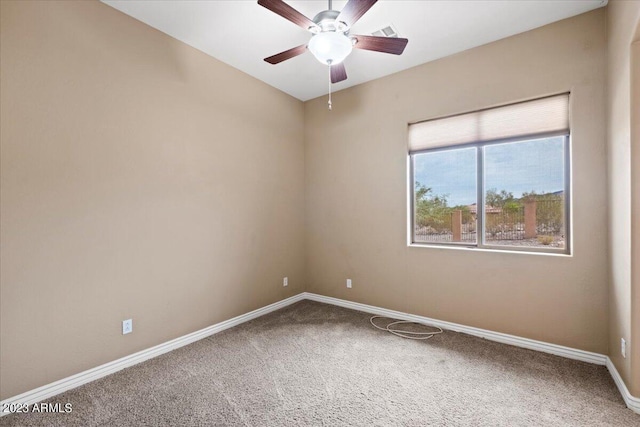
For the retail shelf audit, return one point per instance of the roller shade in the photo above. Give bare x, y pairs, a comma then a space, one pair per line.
540, 116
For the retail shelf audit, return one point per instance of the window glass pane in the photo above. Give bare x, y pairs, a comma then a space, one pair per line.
524, 193
445, 196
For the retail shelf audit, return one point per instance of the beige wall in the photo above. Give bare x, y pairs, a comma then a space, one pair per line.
140, 178
356, 183
622, 19
635, 213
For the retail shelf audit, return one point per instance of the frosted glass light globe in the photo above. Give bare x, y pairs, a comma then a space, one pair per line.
330, 48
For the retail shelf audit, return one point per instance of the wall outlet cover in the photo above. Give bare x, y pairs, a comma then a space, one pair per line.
127, 326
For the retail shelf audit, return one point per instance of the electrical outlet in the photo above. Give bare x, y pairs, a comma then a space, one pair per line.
623, 347
349, 283
127, 326
285, 281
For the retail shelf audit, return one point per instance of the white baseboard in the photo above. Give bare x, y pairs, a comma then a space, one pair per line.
47, 391
568, 352
632, 402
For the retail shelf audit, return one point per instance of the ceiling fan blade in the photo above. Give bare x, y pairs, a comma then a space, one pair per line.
287, 54
354, 10
338, 73
392, 45
287, 12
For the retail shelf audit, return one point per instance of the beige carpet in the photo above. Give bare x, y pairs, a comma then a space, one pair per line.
314, 364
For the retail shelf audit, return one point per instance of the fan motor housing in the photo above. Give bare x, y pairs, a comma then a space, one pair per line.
326, 20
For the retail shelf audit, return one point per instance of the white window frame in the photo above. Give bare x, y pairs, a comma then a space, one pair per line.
481, 192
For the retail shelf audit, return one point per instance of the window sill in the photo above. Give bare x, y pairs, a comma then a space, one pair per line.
462, 247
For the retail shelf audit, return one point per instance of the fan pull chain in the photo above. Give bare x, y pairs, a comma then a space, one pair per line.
329, 88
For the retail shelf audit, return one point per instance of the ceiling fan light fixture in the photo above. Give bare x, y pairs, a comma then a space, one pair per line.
330, 48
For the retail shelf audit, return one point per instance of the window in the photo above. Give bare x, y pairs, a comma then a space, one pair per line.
496, 178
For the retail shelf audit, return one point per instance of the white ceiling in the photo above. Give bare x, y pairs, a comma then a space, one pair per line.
241, 33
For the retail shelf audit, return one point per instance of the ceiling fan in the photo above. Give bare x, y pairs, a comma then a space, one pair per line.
331, 42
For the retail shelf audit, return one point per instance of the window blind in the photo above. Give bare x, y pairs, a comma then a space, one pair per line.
540, 116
